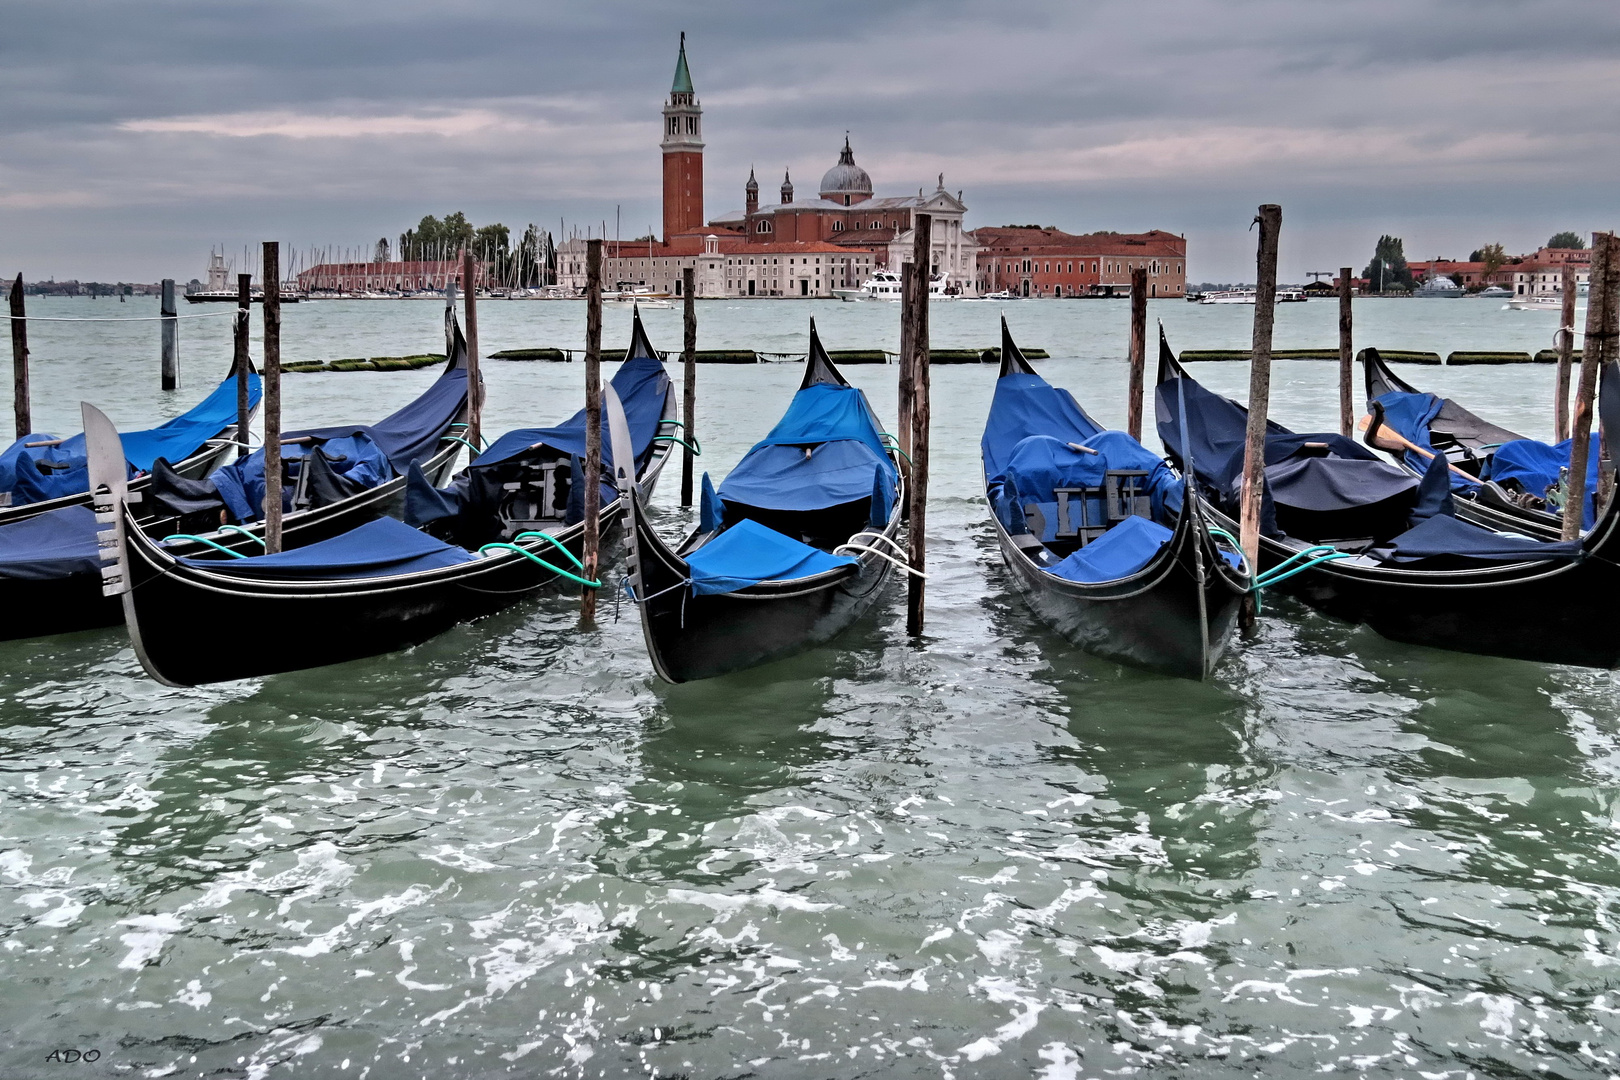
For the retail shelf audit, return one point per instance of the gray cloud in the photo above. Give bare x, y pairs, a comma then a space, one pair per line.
133, 136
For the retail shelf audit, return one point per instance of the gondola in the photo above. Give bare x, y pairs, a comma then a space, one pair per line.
507, 527
49, 573
1371, 543
793, 548
1105, 543
1499, 478
40, 473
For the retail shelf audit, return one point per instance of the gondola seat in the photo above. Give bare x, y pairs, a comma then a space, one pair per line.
748, 553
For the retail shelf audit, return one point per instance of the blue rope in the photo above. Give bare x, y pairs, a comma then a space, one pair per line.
205, 540
535, 558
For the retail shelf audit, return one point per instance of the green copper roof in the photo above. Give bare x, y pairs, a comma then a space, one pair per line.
683, 78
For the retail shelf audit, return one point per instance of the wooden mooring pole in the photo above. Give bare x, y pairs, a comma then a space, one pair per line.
271, 276
20, 411
1254, 443
241, 365
593, 424
688, 382
1566, 356
921, 274
907, 380
1602, 327
1138, 352
475, 381
171, 337
1347, 373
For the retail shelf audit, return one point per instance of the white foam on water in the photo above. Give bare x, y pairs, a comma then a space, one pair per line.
147, 941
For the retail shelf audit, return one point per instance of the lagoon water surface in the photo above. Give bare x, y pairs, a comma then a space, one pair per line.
513, 852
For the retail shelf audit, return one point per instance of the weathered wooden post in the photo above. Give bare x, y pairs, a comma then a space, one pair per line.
1138, 352
907, 382
19, 361
688, 382
1602, 326
1254, 444
1347, 374
1566, 355
593, 423
475, 382
171, 337
240, 363
271, 276
921, 274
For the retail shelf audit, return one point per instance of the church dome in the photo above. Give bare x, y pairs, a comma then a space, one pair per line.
846, 179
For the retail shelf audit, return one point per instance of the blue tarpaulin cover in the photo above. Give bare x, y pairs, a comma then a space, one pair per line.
1039, 464
1026, 405
40, 473
1117, 553
711, 514
1534, 466
382, 548
1443, 536
1410, 415
748, 553
1310, 472
845, 462
58, 544
370, 454
642, 385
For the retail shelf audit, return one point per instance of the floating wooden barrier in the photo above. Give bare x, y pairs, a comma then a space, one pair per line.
553, 355
1495, 358
1550, 356
841, 357
375, 363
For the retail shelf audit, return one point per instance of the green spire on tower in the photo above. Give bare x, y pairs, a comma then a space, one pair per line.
683, 78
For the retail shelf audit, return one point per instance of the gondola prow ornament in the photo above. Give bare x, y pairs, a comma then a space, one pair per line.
109, 491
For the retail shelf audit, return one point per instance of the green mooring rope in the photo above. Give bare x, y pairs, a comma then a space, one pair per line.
531, 556
205, 540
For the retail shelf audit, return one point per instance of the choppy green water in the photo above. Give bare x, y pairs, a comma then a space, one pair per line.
513, 852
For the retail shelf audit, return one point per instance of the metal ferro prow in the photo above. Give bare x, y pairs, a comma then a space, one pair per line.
109, 491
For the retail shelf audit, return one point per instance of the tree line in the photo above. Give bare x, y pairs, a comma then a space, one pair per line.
530, 264
1388, 270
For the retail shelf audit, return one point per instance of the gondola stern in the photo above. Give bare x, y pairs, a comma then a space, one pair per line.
1169, 367
641, 347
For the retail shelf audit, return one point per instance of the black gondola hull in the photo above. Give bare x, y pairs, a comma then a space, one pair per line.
1162, 619
701, 637
68, 604
1484, 611
298, 626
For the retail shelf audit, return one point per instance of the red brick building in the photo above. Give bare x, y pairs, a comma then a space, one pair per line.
1031, 261
432, 275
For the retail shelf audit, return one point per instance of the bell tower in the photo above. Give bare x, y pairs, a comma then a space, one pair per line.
683, 154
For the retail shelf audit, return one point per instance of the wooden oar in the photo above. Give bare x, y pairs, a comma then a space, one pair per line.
1381, 432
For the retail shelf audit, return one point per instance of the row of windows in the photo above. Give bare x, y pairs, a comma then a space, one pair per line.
1033, 266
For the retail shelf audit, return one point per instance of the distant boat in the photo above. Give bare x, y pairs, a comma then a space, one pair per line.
230, 297
1551, 302
1246, 296
1494, 292
885, 285
1437, 287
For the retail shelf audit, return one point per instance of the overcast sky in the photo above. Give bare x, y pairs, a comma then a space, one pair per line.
133, 136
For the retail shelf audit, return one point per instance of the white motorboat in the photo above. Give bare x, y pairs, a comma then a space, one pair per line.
1548, 302
885, 285
1246, 296
638, 294
1228, 296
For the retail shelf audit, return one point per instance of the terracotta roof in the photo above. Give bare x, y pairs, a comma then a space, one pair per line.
1014, 239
